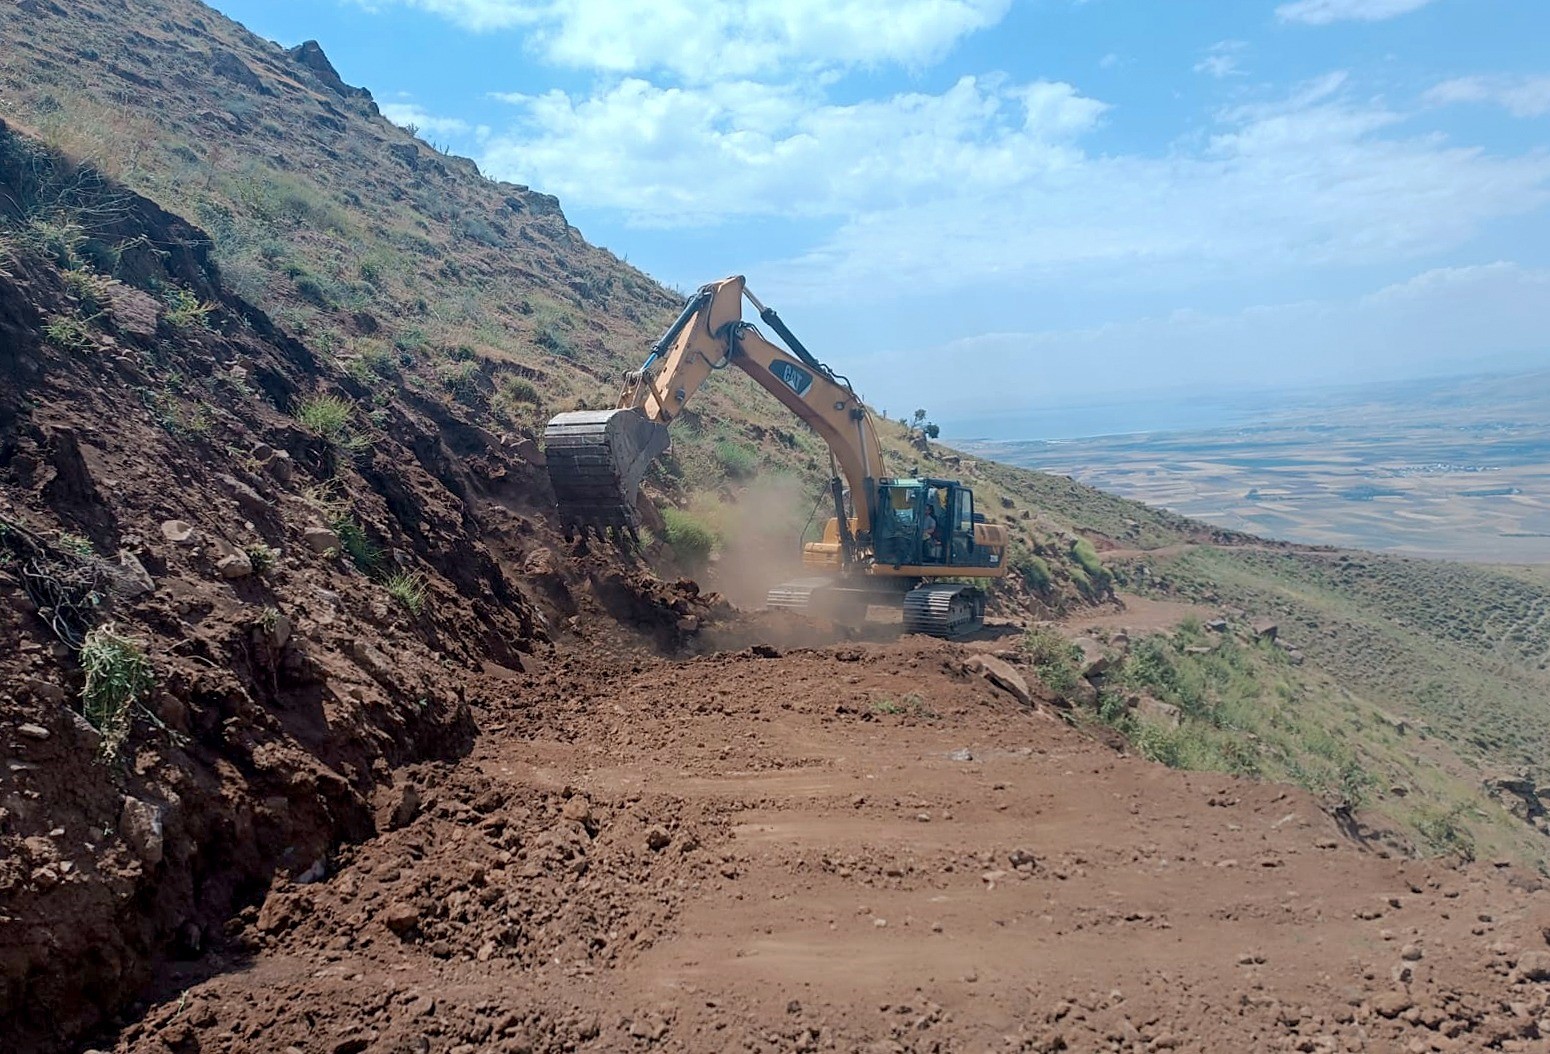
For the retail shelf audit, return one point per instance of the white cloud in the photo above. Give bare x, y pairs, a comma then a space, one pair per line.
1448, 318
1317, 180
712, 41
1527, 96
1224, 59
696, 156
412, 115
1323, 12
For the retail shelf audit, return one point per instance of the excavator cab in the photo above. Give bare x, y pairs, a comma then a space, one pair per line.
929, 523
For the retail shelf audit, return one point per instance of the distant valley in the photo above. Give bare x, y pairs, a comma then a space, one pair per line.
1456, 468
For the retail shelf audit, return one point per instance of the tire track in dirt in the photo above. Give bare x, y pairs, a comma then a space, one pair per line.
746, 852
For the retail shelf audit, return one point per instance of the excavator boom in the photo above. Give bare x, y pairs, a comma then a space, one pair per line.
887, 540
597, 459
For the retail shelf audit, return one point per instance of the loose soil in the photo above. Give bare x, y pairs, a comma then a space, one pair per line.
854, 847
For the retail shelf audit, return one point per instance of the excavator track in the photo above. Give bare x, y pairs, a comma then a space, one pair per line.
820, 598
596, 459
944, 609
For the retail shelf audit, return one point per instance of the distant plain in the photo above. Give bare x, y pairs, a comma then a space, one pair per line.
1457, 468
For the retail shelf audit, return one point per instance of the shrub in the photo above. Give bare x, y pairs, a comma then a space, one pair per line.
519, 390
327, 416
69, 333
89, 289
118, 675
408, 588
261, 556
365, 554
1086, 556
551, 337
736, 460
690, 539
1054, 657
1034, 571
461, 380
185, 310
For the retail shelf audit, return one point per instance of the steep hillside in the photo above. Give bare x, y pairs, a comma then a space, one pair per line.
236, 593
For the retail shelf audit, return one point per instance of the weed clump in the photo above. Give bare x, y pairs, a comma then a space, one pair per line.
118, 676
187, 311
69, 333
408, 588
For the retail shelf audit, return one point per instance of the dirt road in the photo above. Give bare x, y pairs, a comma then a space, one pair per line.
860, 847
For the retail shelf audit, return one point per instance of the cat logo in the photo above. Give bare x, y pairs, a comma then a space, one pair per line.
793, 377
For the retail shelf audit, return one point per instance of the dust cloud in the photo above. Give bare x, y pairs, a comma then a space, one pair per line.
762, 539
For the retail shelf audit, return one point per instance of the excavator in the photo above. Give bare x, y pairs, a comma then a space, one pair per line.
914, 542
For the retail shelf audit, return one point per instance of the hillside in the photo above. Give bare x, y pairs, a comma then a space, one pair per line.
313, 725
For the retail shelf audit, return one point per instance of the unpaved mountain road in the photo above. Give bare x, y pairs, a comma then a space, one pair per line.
858, 847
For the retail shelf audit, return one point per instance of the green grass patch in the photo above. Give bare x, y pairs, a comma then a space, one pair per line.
186, 311
408, 588
735, 459
689, 536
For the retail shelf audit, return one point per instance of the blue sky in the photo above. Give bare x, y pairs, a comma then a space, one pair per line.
981, 206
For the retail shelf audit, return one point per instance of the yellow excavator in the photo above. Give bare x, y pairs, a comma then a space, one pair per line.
913, 542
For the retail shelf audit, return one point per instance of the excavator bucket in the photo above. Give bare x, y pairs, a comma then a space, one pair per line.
597, 459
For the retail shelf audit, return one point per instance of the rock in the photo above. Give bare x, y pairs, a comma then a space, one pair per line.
140, 825
309, 55
248, 499
281, 466
1217, 625
179, 532
1264, 629
45, 692
278, 630
1157, 711
1022, 860
132, 579
1094, 662
530, 452
539, 563
320, 540
236, 565
234, 69
1533, 966
689, 624
401, 917
1411, 953
579, 809
1296, 657
406, 808
1000, 673
1391, 1004
657, 839
32, 731
407, 153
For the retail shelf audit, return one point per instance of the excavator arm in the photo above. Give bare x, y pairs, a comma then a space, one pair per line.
597, 459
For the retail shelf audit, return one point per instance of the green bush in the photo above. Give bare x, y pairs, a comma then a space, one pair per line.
461, 380
1033, 569
519, 390
736, 460
118, 676
1086, 556
1054, 657
690, 539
